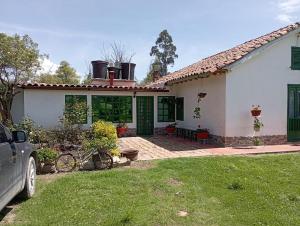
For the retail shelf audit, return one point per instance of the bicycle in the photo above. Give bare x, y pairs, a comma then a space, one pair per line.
67, 162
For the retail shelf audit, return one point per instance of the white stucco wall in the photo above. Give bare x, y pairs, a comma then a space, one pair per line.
262, 80
212, 106
45, 107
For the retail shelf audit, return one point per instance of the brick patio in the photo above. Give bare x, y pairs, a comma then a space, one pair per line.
162, 147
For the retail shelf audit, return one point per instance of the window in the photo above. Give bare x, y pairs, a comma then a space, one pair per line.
112, 108
166, 109
180, 108
295, 58
76, 108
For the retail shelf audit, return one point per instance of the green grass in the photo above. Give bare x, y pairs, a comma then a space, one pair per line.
213, 190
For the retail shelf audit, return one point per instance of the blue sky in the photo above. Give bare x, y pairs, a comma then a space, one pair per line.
76, 30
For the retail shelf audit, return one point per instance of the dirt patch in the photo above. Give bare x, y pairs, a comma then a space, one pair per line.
48, 178
182, 213
174, 182
141, 165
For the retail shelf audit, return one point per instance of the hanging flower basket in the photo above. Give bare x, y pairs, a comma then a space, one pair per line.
255, 113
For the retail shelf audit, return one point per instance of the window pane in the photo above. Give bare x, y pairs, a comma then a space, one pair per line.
166, 108
114, 108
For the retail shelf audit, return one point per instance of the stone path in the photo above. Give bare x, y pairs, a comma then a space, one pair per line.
162, 147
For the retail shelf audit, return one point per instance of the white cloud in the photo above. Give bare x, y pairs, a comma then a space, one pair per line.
47, 66
289, 10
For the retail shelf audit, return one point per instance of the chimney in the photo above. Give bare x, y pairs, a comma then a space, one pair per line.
111, 75
155, 75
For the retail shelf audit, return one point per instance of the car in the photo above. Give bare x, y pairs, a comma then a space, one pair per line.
17, 166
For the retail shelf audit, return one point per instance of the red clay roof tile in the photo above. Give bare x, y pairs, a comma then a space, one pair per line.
218, 62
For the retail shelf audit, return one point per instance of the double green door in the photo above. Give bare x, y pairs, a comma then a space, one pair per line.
145, 115
293, 113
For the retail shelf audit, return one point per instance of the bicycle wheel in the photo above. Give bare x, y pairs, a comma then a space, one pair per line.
103, 160
65, 163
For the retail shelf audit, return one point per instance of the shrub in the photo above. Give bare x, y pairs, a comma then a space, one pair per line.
47, 155
103, 136
115, 152
104, 129
36, 134
102, 143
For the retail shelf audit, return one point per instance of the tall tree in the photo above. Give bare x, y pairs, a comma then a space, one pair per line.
165, 51
66, 74
19, 60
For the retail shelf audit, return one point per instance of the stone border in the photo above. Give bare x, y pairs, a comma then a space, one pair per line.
248, 141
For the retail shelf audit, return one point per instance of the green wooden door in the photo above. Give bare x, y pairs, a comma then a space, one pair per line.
293, 112
145, 115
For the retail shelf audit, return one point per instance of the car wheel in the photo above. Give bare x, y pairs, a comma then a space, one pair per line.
29, 188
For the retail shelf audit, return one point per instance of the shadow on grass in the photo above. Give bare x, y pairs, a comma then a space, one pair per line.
7, 212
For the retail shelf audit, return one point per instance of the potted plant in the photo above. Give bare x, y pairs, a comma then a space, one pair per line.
257, 125
171, 128
47, 157
256, 110
202, 133
121, 129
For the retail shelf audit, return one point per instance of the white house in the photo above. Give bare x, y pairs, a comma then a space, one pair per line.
264, 71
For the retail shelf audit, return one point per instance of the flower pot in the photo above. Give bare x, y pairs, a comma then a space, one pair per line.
121, 131
128, 71
131, 154
202, 135
170, 130
255, 113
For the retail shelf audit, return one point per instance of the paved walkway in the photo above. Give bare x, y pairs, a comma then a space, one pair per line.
162, 147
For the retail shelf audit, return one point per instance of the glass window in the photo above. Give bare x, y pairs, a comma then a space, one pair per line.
76, 108
112, 108
166, 108
180, 108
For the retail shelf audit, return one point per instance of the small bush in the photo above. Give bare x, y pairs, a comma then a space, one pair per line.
104, 129
235, 186
115, 152
36, 134
47, 155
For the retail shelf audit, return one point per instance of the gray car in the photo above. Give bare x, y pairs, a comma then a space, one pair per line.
17, 166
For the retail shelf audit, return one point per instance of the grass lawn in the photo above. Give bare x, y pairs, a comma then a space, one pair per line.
230, 191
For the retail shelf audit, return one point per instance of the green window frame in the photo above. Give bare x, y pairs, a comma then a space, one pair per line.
180, 108
295, 58
166, 109
76, 108
112, 108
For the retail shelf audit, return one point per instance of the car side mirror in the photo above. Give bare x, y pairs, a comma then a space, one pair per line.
19, 136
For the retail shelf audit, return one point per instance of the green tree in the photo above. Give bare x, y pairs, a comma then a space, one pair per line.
49, 79
154, 67
66, 74
165, 51
19, 61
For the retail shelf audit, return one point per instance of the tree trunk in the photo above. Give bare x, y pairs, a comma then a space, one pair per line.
5, 110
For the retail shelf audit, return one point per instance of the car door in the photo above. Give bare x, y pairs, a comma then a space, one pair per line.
6, 167
17, 156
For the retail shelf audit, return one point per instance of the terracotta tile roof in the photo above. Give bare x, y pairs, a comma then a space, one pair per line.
218, 62
90, 87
